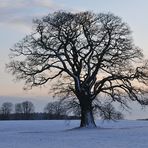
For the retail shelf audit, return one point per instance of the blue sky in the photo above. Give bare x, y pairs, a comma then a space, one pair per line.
16, 21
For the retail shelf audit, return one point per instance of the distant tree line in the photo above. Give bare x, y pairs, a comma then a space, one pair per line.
23, 110
53, 110
26, 111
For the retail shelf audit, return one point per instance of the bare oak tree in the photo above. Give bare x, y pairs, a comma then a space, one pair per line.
93, 53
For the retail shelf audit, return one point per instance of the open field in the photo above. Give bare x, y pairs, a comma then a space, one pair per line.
64, 134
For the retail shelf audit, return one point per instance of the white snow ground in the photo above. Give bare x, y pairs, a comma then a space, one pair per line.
62, 134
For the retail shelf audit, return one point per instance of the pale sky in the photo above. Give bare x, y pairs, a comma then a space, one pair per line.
16, 22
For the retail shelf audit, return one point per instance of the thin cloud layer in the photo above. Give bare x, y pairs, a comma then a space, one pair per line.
19, 13
17, 4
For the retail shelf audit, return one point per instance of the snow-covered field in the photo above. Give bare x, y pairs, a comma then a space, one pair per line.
63, 134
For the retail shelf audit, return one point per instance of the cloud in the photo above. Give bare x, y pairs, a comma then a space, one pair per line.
45, 4
19, 13
9, 4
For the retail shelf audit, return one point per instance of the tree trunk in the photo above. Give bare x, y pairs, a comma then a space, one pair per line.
87, 118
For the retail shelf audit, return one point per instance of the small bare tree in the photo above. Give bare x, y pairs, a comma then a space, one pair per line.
27, 107
72, 106
108, 112
18, 108
24, 110
55, 109
93, 54
6, 109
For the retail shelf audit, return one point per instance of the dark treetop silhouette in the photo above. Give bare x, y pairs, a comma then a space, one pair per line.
93, 52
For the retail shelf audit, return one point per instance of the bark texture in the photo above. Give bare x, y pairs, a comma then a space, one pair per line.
87, 118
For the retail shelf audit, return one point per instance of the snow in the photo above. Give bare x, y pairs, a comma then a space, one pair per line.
64, 134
